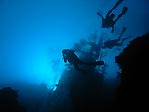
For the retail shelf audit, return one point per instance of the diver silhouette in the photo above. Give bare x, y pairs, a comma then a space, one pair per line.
108, 20
111, 43
72, 58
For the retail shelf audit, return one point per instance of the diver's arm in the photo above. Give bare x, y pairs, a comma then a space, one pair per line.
100, 15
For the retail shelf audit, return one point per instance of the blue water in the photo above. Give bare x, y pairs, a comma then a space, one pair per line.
34, 32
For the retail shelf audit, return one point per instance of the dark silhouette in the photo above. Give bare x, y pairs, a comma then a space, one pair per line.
72, 58
111, 43
133, 91
108, 20
9, 101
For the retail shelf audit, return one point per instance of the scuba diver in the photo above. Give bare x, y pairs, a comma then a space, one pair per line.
108, 20
111, 43
72, 58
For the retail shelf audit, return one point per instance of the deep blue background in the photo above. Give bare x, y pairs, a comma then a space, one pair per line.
33, 33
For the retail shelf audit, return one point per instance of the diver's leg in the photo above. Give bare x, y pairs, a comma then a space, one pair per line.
78, 69
120, 15
122, 32
125, 38
80, 62
116, 5
97, 63
120, 44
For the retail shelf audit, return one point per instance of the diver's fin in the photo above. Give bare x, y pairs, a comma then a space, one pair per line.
127, 37
119, 2
124, 10
123, 30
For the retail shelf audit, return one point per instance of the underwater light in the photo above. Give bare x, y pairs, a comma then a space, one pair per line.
43, 68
